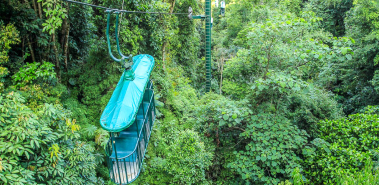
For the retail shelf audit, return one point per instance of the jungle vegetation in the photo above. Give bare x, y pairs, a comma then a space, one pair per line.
294, 96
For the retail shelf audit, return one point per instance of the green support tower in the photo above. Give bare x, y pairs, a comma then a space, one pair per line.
208, 35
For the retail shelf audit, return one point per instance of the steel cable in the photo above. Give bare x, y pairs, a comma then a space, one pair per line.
123, 11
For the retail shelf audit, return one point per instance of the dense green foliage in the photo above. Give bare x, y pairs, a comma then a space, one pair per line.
294, 91
9, 35
39, 138
42, 145
344, 144
369, 175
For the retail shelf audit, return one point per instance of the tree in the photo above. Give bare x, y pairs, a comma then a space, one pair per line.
8, 36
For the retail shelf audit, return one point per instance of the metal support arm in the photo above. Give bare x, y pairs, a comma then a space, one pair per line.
202, 17
129, 73
108, 40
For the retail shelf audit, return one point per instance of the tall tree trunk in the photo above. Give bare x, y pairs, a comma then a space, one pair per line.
66, 51
40, 10
45, 54
63, 33
39, 14
172, 6
34, 6
66, 43
164, 45
65, 27
31, 49
39, 30
268, 54
22, 46
222, 69
58, 71
163, 53
57, 64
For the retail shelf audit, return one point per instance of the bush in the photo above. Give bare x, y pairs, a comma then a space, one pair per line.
369, 175
273, 151
33, 72
8, 36
188, 159
306, 108
42, 145
343, 144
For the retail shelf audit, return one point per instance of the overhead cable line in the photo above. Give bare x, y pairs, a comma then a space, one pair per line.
118, 10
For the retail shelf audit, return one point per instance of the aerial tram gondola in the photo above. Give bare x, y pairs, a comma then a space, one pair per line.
222, 10
130, 113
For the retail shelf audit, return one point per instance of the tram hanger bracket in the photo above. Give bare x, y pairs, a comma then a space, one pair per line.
125, 61
190, 16
190, 13
129, 73
202, 17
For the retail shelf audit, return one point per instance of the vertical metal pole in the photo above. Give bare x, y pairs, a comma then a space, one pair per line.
153, 106
208, 56
115, 151
126, 172
146, 132
143, 108
150, 119
136, 121
110, 162
107, 34
130, 167
138, 153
